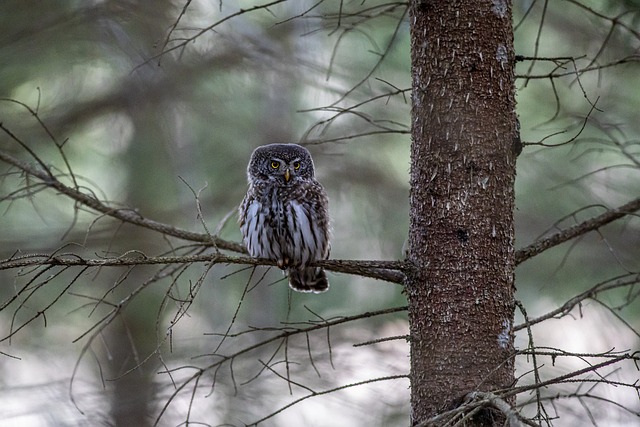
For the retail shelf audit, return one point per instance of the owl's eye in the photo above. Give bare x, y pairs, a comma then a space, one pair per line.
275, 165
296, 165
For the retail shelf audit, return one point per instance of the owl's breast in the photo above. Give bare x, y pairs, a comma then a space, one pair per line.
276, 207
283, 223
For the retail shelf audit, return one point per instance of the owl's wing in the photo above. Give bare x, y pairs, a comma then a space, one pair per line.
252, 225
319, 202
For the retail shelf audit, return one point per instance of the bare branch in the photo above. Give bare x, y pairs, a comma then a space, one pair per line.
584, 227
616, 283
473, 402
283, 335
320, 393
184, 42
571, 375
578, 71
390, 271
123, 214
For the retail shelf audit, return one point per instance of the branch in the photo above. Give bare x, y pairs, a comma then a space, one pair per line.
123, 214
473, 402
513, 391
390, 271
591, 293
288, 331
328, 391
513, 417
578, 71
577, 230
382, 270
185, 41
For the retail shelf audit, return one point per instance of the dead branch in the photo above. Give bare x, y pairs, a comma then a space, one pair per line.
473, 403
321, 393
571, 376
127, 215
184, 42
390, 271
284, 334
577, 230
627, 280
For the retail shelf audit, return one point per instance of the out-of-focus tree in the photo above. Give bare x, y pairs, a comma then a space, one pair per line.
126, 129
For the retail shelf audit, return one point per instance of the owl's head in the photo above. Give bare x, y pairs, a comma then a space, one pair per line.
284, 164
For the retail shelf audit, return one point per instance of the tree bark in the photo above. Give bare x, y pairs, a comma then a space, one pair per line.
461, 238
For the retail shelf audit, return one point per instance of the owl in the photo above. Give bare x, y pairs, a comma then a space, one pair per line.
285, 215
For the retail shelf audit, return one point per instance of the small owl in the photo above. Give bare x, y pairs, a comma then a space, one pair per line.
285, 214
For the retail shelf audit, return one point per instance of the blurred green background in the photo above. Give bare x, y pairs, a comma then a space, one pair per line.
146, 130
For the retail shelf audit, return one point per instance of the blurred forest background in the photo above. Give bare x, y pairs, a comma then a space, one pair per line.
157, 110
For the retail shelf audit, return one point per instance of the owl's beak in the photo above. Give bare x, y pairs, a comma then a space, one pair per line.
287, 175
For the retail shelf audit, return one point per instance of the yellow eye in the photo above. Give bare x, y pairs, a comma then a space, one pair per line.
296, 165
275, 165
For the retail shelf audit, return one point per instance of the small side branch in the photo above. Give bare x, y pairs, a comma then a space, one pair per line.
473, 403
577, 230
123, 214
627, 281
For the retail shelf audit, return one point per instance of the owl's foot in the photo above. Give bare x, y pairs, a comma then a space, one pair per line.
284, 263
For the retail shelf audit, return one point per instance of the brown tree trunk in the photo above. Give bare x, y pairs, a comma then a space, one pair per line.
461, 293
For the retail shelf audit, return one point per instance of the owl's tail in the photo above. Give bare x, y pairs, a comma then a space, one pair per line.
312, 279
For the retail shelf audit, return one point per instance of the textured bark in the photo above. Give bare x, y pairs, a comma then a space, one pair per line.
461, 235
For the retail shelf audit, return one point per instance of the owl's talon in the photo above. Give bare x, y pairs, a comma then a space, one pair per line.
284, 263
